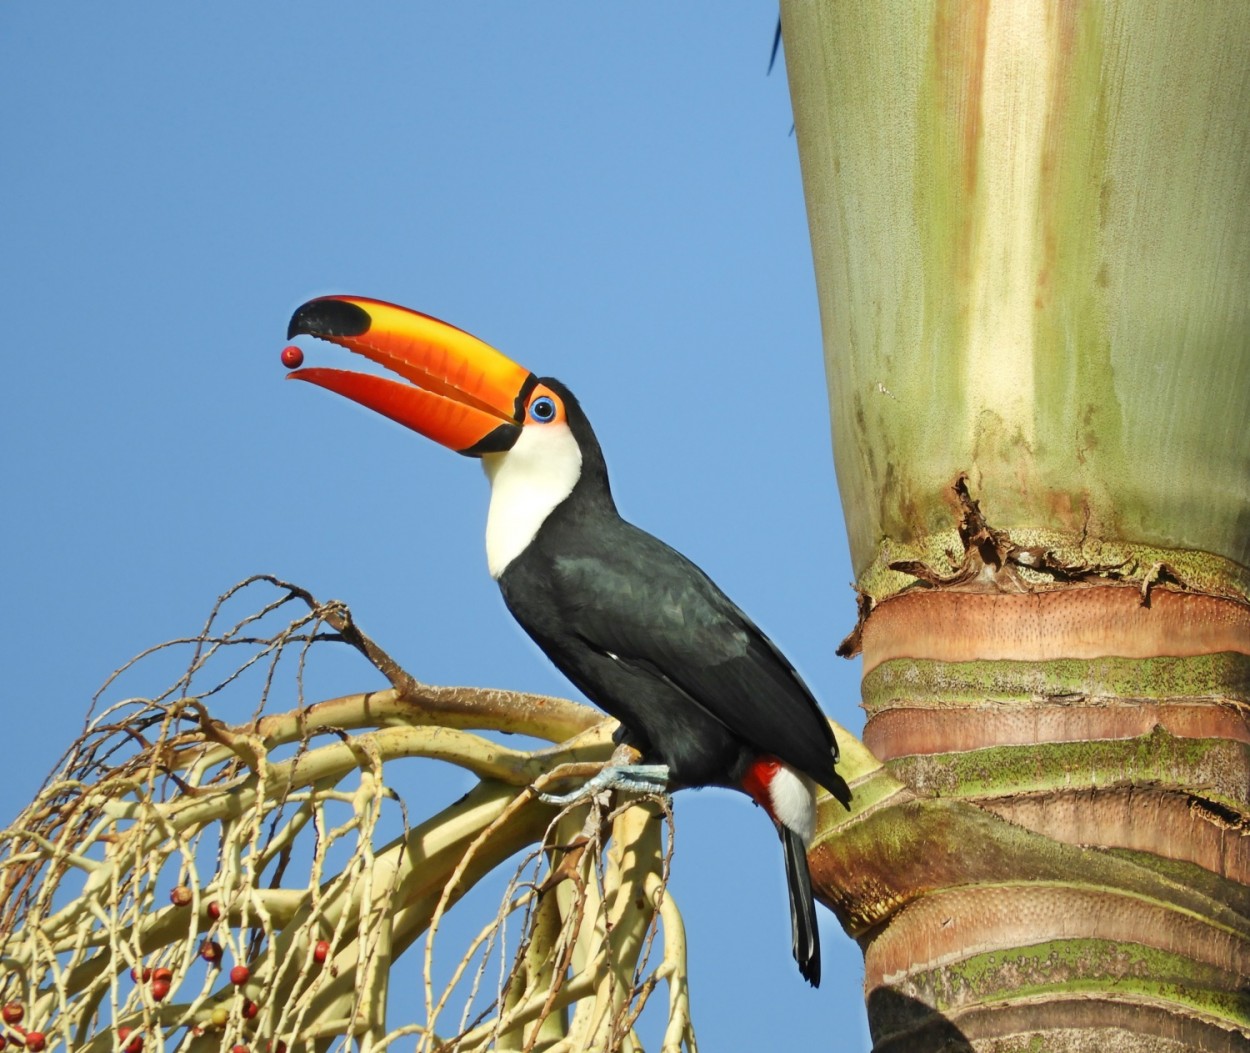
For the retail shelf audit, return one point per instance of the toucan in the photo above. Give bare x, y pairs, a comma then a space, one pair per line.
700, 692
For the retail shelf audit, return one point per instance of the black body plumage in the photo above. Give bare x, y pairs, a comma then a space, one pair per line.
652, 640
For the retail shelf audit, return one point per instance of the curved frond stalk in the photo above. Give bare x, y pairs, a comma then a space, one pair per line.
1030, 225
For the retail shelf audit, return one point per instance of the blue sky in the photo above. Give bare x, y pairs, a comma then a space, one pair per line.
609, 194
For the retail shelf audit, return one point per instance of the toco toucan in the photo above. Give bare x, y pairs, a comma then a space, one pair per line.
703, 695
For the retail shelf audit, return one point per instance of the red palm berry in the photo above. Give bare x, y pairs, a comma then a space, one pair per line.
35, 1041
180, 896
250, 1009
214, 910
13, 1013
239, 975
292, 357
322, 951
160, 988
210, 951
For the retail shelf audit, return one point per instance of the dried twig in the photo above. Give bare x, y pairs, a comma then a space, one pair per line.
207, 880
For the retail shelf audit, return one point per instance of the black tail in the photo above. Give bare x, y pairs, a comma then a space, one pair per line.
803, 931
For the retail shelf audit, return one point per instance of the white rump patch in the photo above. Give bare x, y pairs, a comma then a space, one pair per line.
793, 798
526, 483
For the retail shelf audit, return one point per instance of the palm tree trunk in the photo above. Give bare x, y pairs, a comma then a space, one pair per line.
1031, 230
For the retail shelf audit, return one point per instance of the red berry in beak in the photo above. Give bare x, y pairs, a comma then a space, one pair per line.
292, 357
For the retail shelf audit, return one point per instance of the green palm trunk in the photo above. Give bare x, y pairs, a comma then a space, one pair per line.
1031, 229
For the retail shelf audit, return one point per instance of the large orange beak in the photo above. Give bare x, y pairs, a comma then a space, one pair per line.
467, 395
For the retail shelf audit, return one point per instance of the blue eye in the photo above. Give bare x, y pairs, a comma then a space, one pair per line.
543, 409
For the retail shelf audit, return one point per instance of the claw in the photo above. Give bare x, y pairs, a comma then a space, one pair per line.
630, 778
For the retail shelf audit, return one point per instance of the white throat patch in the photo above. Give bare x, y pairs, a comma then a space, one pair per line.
526, 483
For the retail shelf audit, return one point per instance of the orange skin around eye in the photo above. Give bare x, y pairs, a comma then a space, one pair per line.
539, 392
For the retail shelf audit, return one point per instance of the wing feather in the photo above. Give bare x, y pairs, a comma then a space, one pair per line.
651, 607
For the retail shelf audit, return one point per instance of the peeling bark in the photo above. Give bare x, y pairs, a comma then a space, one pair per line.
1063, 810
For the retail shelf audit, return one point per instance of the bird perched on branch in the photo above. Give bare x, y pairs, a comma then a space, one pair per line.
702, 694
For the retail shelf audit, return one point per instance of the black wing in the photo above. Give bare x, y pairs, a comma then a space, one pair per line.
643, 602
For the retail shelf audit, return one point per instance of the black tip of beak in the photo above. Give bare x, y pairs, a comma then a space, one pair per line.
329, 317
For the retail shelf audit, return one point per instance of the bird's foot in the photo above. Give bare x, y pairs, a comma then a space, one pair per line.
631, 778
